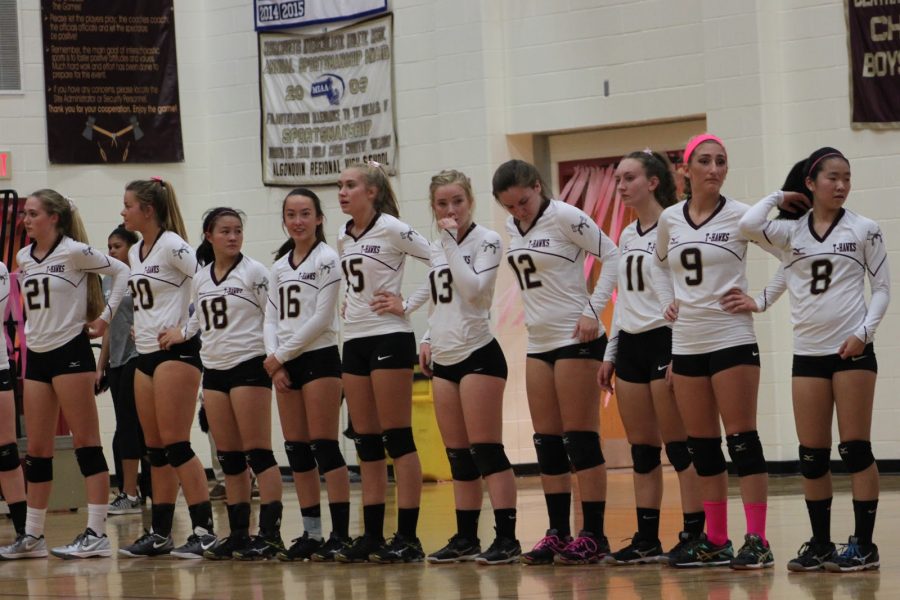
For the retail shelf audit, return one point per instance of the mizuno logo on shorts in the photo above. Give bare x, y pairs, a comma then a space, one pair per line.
74, 364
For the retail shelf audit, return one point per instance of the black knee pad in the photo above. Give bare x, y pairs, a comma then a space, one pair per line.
369, 447
91, 460
746, 453
157, 457
583, 449
645, 457
9, 457
551, 454
179, 453
234, 462
462, 465
261, 460
38, 469
399, 442
300, 456
328, 455
707, 455
490, 458
679, 455
857, 455
814, 462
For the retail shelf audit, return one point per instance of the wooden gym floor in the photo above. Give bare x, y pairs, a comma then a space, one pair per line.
161, 578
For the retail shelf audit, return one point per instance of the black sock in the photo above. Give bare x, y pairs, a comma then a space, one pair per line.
820, 519
467, 523
407, 520
17, 511
373, 520
340, 518
201, 515
648, 524
161, 516
694, 522
270, 519
593, 517
505, 520
239, 519
864, 512
559, 508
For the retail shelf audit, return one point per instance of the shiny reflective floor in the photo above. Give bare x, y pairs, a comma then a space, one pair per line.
161, 578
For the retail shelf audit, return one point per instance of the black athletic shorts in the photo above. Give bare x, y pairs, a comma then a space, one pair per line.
593, 349
644, 357
825, 367
75, 356
249, 373
312, 365
487, 360
388, 351
186, 352
7, 381
710, 363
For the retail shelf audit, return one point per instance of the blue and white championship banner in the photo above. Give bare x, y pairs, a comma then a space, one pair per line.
284, 14
327, 102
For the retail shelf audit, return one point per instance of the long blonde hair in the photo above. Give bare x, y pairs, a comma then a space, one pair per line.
375, 176
160, 195
69, 223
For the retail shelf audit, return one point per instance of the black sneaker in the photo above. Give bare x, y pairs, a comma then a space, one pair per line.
853, 557
586, 549
360, 549
225, 547
197, 543
399, 549
546, 549
149, 544
330, 549
702, 553
754, 554
503, 551
301, 548
261, 547
812, 556
638, 552
684, 538
458, 549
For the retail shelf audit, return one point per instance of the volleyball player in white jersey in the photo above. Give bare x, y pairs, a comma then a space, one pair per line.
548, 243
379, 353
58, 276
701, 254
166, 381
229, 294
304, 362
828, 255
639, 352
469, 372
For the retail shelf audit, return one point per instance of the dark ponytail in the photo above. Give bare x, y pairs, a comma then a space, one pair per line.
205, 253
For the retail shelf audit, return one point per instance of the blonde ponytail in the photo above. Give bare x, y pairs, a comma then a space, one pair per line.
160, 195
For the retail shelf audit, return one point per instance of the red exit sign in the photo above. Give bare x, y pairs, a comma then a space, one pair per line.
5, 164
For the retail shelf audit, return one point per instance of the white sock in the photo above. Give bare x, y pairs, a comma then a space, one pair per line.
131, 498
34, 521
97, 518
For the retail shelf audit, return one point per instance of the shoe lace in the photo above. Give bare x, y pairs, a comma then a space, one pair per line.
548, 541
849, 550
147, 535
582, 545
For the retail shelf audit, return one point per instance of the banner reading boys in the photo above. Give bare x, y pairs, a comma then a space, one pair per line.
326, 102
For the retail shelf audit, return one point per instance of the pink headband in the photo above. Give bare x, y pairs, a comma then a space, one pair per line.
696, 141
821, 158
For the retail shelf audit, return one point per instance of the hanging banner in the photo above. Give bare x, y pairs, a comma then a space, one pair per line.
874, 43
111, 81
283, 14
327, 102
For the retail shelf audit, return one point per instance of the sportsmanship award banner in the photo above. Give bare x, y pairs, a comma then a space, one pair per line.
326, 103
282, 14
874, 41
111, 81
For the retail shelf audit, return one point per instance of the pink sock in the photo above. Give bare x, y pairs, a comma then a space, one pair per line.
716, 521
756, 518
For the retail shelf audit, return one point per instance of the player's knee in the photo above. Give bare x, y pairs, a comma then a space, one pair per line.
328, 455
38, 469
157, 457
679, 455
9, 457
746, 453
857, 455
490, 459
234, 462
645, 458
462, 464
369, 447
261, 460
551, 454
583, 449
399, 442
300, 456
179, 453
91, 460
707, 455
814, 462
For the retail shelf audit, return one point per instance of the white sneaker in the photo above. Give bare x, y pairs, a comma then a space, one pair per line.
123, 505
25, 546
85, 545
